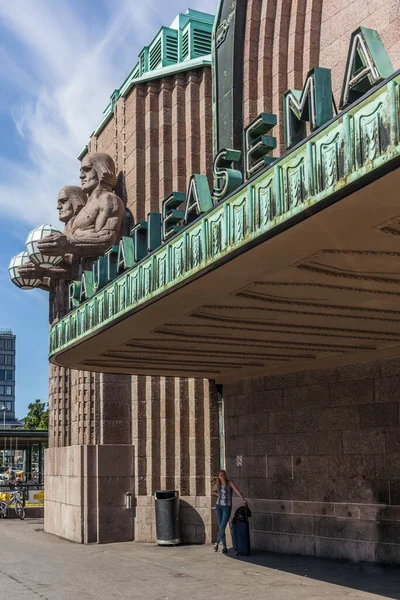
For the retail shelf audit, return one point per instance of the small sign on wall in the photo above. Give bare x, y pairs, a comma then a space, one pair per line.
239, 461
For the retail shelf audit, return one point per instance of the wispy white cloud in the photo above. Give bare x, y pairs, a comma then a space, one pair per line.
14, 295
66, 67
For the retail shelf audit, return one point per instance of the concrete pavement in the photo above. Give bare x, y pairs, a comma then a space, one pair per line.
36, 566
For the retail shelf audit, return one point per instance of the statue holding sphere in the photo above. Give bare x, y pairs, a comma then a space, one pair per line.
94, 218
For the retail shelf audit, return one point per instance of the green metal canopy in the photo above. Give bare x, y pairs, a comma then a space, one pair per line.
296, 269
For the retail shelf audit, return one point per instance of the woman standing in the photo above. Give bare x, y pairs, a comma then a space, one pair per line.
223, 508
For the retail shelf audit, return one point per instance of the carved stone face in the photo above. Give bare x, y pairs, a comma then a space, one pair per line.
88, 175
65, 207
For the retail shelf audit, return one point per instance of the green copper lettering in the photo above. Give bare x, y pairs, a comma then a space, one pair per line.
126, 254
86, 290
74, 291
227, 179
198, 199
139, 233
111, 256
313, 104
99, 273
367, 64
153, 231
171, 216
257, 145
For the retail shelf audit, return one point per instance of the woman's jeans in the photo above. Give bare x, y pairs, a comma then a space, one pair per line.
223, 514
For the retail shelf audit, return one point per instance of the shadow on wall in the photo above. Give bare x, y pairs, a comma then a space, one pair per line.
193, 530
375, 579
120, 190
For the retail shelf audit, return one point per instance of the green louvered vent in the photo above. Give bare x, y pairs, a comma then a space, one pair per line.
155, 55
201, 42
136, 72
142, 64
185, 45
171, 48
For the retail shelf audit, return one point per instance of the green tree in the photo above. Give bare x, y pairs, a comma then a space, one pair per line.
38, 415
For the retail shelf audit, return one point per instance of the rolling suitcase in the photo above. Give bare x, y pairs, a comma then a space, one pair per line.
241, 531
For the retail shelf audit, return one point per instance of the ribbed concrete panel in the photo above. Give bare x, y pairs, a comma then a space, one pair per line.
135, 151
192, 125
296, 44
205, 117
264, 55
139, 432
167, 433
59, 406
178, 134
151, 173
165, 139
250, 54
153, 456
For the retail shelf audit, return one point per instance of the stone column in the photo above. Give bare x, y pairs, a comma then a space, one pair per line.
86, 482
176, 440
151, 170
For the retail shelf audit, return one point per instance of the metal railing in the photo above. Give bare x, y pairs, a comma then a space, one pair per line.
6, 332
23, 488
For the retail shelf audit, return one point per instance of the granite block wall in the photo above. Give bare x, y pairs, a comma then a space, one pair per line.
175, 435
320, 460
85, 493
150, 433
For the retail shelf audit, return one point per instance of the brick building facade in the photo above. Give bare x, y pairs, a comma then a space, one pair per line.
319, 450
160, 133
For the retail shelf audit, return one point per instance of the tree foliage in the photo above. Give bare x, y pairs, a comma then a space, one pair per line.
38, 415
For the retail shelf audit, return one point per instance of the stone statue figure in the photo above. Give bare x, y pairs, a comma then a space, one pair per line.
71, 200
94, 220
99, 223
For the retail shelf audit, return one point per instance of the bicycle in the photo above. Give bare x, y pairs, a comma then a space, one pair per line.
18, 506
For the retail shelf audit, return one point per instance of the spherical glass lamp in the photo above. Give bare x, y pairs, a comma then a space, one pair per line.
35, 236
21, 282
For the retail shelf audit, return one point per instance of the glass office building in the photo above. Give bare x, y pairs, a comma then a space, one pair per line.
7, 377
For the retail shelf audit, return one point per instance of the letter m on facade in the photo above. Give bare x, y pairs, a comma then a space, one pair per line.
313, 104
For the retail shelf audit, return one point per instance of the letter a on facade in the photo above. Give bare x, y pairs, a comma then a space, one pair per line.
367, 64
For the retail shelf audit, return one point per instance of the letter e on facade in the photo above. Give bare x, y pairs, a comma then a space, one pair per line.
257, 145
171, 216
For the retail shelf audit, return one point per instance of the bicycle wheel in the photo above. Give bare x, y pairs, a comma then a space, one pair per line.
19, 511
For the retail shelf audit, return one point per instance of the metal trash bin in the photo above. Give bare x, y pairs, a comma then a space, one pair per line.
167, 517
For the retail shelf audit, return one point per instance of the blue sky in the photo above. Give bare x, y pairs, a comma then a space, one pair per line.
60, 62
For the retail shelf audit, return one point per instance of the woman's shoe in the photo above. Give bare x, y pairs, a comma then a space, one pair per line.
215, 547
224, 550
